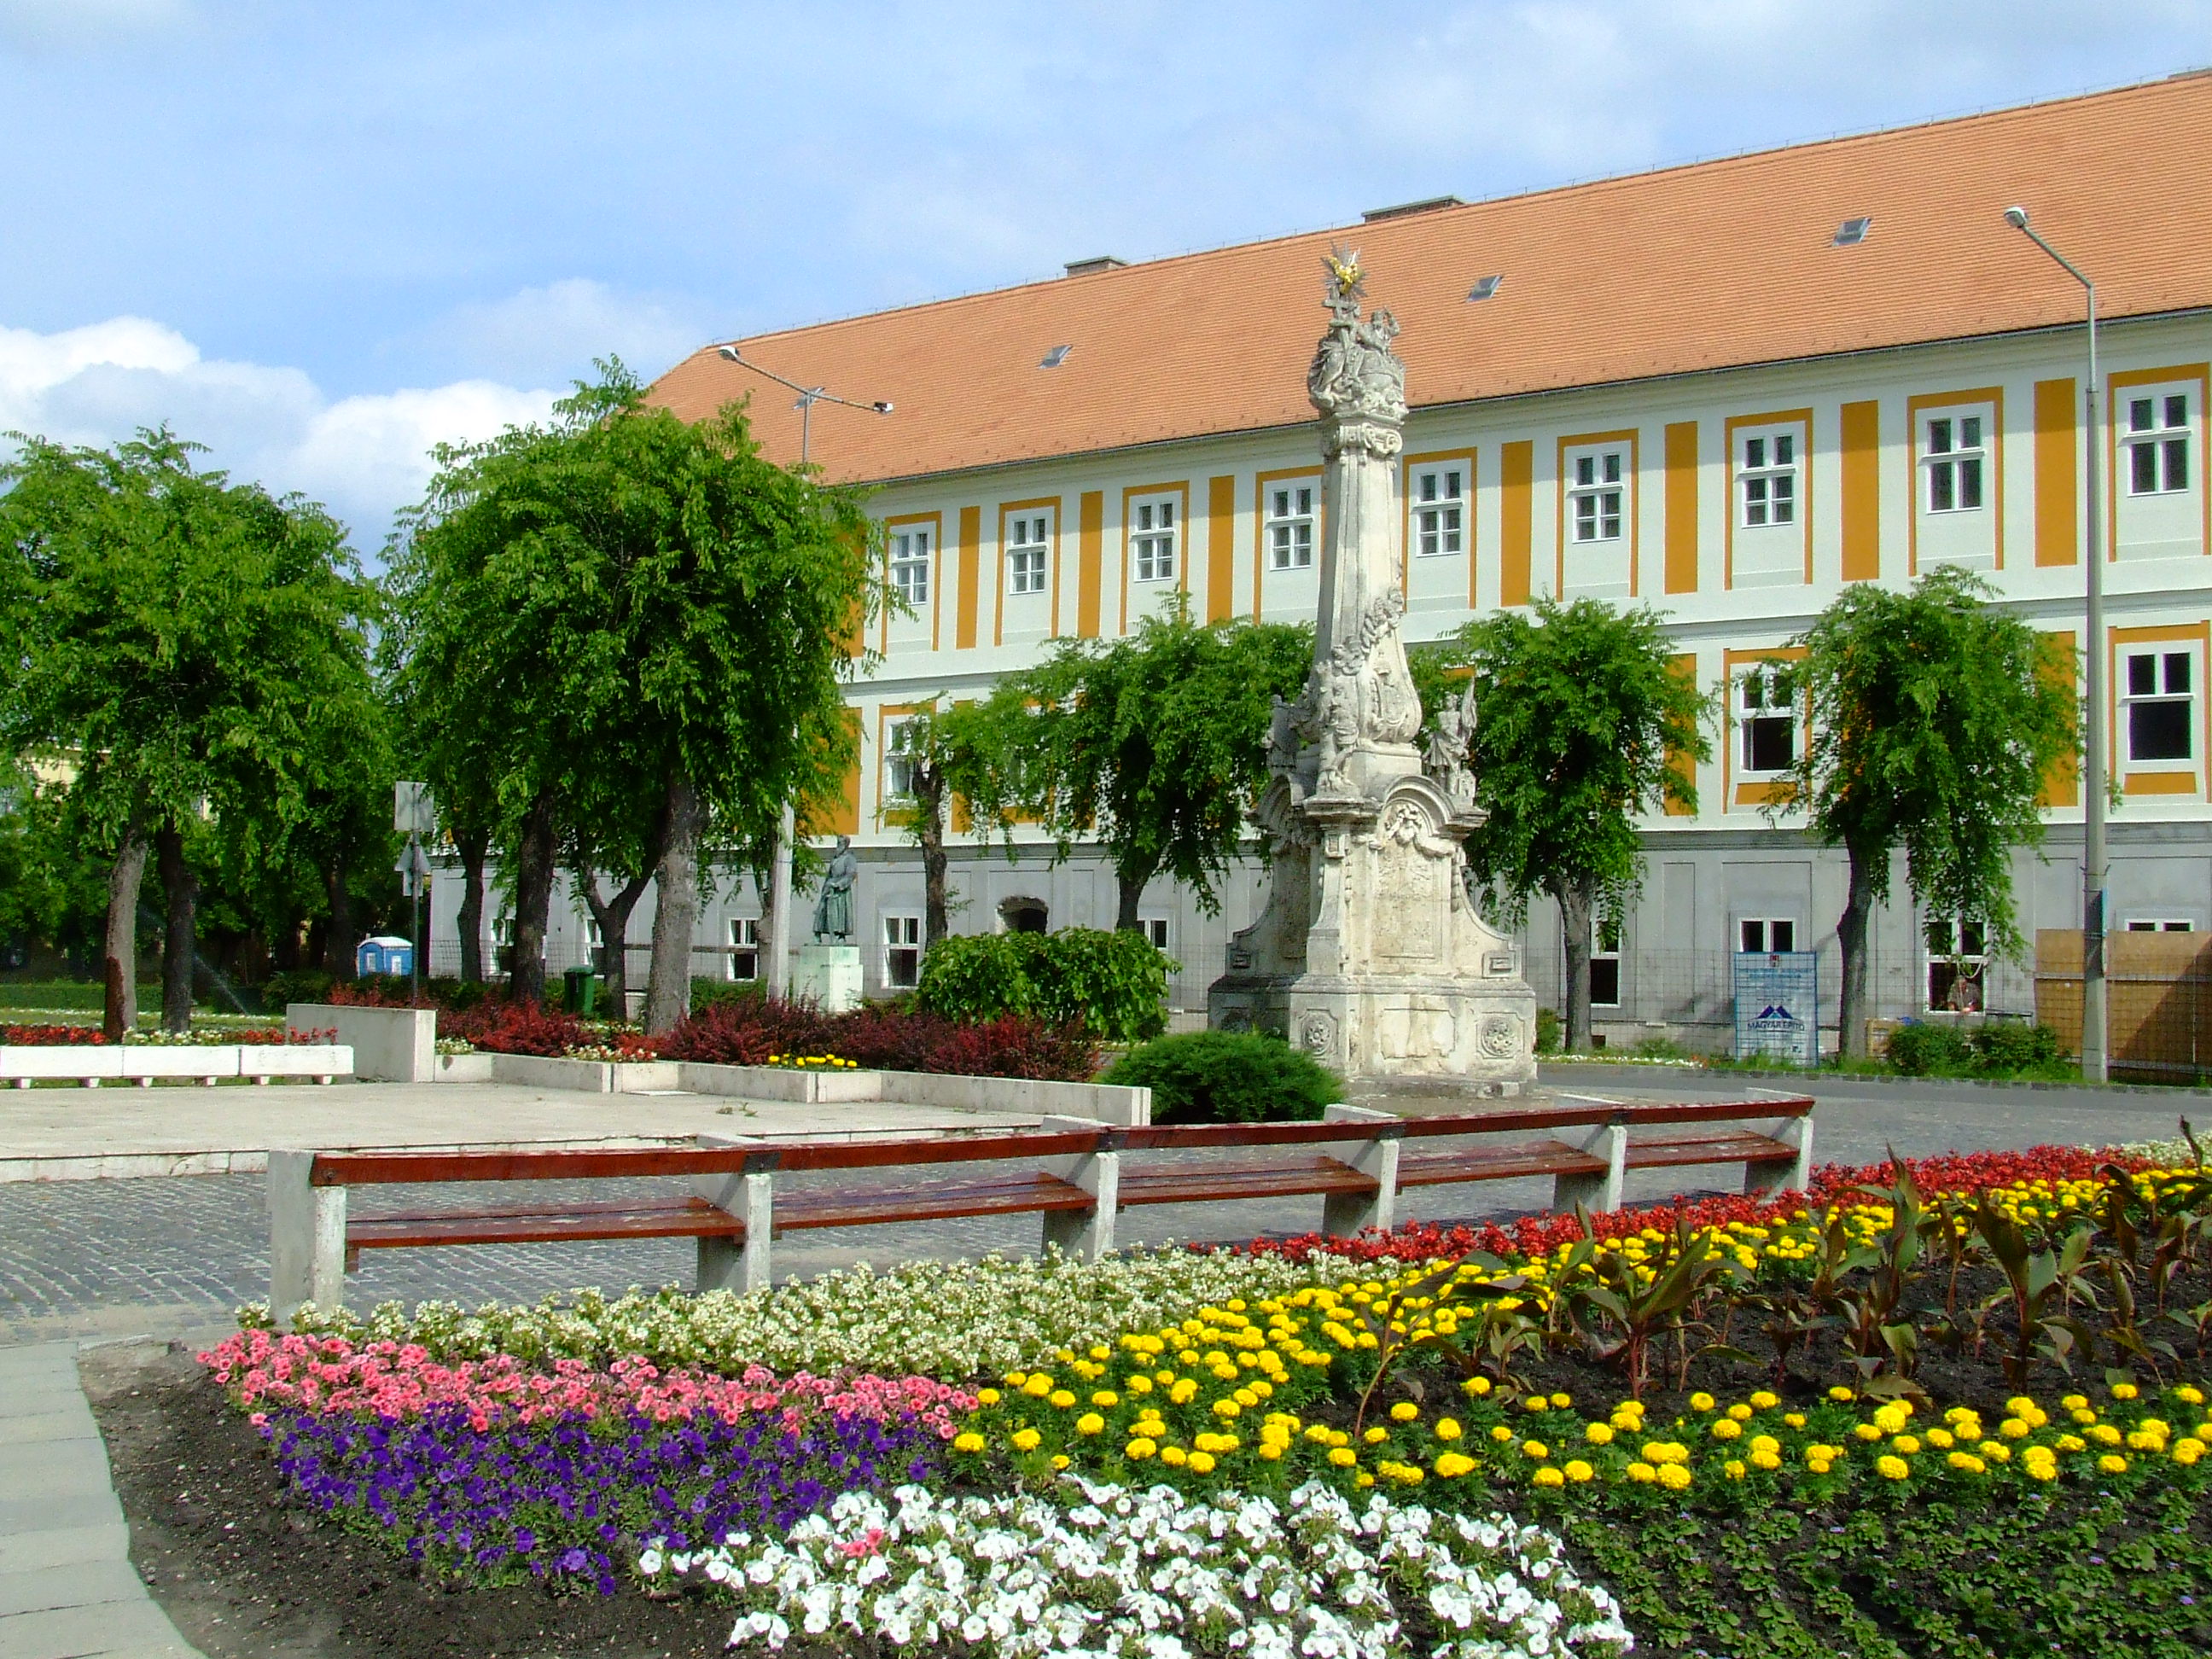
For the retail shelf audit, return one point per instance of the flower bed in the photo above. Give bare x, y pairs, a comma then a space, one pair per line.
1953, 1408
749, 1031
200, 1036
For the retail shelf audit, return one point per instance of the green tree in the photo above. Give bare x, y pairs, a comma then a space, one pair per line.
1934, 723
621, 607
1153, 745
950, 752
1583, 724
186, 644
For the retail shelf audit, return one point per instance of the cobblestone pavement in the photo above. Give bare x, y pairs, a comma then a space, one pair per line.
163, 1255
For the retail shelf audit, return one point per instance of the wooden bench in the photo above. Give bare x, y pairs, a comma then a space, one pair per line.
1075, 1174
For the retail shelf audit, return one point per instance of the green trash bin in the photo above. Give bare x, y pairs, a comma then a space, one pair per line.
579, 990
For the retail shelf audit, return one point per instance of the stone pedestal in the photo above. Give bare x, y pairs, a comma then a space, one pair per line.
827, 975
1371, 954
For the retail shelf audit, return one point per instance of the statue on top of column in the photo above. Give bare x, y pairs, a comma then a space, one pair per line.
1355, 374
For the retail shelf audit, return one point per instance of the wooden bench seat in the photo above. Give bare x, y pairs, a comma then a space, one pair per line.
1015, 1194
545, 1224
1213, 1184
1446, 1169
1680, 1151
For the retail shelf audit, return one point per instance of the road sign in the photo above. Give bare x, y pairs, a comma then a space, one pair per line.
413, 811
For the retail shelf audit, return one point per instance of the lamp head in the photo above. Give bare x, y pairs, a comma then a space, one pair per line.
2014, 216
730, 352
882, 408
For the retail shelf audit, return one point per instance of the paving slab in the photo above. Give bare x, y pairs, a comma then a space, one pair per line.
56, 1469
24, 1512
64, 1547
94, 1628
78, 1584
20, 1428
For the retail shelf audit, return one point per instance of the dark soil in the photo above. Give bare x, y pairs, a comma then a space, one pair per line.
247, 1575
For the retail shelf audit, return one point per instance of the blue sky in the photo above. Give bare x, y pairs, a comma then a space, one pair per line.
320, 236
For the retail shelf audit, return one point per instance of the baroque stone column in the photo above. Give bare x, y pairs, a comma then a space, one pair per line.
1369, 953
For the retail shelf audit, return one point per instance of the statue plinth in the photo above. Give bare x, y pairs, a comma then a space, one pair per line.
1371, 954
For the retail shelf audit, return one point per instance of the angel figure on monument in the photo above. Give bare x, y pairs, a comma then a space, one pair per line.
1447, 748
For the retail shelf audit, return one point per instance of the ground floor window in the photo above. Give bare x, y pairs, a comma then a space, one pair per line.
1760, 936
2159, 925
1957, 962
1155, 930
901, 952
1605, 963
745, 947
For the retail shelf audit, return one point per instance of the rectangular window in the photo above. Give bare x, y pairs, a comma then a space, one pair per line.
2159, 925
1953, 458
1605, 963
1594, 494
1028, 536
1152, 538
1767, 722
1290, 527
898, 763
910, 551
1958, 958
2156, 691
745, 948
901, 952
1766, 478
1765, 935
1155, 930
1439, 511
2156, 444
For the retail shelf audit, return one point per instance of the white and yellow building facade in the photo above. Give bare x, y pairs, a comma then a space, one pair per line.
1725, 390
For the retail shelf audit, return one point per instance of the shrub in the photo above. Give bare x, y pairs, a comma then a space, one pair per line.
1111, 984
707, 992
1228, 1077
296, 985
1919, 1050
1548, 1030
51, 1037
513, 1027
2014, 1046
746, 1030
1996, 1047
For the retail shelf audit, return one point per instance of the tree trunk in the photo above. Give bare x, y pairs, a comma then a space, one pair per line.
1576, 900
1851, 938
471, 848
533, 896
120, 1013
338, 942
1131, 885
929, 833
668, 999
613, 917
180, 888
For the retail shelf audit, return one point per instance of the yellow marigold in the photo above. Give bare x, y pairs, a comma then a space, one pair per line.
1818, 1465
1548, 1476
1026, 1440
1867, 1431
1062, 1398
1476, 1386
1142, 1448
2111, 1463
1576, 1471
2124, 1391
1642, 1472
1598, 1434
1795, 1419
2105, 1435
1226, 1408
2188, 1450
1734, 1469
2072, 1442
1535, 1450
1561, 1401
987, 1396
1892, 1468
1674, 1476
970, 1442
2041, 1471
1995, 1451
1501, 1434
1060, 1460
1344, 1457
1739, 1412
1766, 1460
1452, 1465
2012, 1429
1447, 1428
1905, 1445
1701, 1401
1089, 1423
2189, 1395
2084, 1417
1940, 1439
1727, 1428
1764, 1401
1174, 1456
1037, 1385
1840, 1393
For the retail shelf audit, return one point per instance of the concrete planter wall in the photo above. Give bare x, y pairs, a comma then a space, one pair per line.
23, 1066
1124, 1107
390, 1045
143, 1062
320, 1061
777, 1083
462, 1068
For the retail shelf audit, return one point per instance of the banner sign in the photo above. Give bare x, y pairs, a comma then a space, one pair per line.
1777, 1011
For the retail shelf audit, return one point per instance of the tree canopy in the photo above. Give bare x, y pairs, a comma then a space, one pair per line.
1154, 745
1585, 723
1935, 722
179, 648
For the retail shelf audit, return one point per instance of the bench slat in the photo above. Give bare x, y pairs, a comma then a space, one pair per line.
936, 1201
1220, 1182
547, 1224
1494, 1164
1679, 1151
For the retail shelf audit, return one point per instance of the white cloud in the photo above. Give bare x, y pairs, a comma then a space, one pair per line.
77, 23
553, 333
363, 456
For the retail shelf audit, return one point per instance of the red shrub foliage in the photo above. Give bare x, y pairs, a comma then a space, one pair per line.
748, 1030
1539, 1235
52, 1036
512, 1028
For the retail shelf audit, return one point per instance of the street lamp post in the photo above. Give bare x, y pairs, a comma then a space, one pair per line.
779, 898
2094, 1057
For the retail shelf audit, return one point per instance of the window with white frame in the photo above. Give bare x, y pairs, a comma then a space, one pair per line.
1767, 477
1605, 963
1596, 481
1029, 537
898, 759
2159, 925
745, 947
1953, 460
1152, 531
1760, 936
2155, 444
909, 558
1958, 959
1289, 526
2158, 697
1439, 510
901, 952
1766, 722
1155, 930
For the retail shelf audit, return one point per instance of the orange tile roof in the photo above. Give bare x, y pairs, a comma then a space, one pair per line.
1699, 267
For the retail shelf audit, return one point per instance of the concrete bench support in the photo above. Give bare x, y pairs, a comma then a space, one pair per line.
1088, 1234
1345, 1215
1599, 1192
307, 1237
1792, 1174
733, 1264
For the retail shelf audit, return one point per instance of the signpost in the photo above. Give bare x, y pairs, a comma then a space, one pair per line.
415, 815
1778, 1008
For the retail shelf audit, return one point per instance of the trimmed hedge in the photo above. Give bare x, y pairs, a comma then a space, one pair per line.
1111, 985
1228, 1077
1993, 1048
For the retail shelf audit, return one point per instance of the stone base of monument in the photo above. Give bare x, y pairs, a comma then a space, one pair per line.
827, 975
1387, 1035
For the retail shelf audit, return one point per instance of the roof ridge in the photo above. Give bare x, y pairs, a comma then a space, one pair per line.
1593, 183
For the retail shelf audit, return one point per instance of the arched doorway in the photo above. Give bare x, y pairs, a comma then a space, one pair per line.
1023, 915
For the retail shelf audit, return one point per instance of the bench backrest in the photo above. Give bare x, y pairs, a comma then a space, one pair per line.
381, 1169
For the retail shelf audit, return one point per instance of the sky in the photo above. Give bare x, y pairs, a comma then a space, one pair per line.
319, 238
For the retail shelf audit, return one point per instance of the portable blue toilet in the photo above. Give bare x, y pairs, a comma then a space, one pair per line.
384, 954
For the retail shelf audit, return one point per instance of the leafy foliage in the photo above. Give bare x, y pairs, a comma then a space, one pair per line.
747, 1030
1994, 1048
1228, 1077
1112, 985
